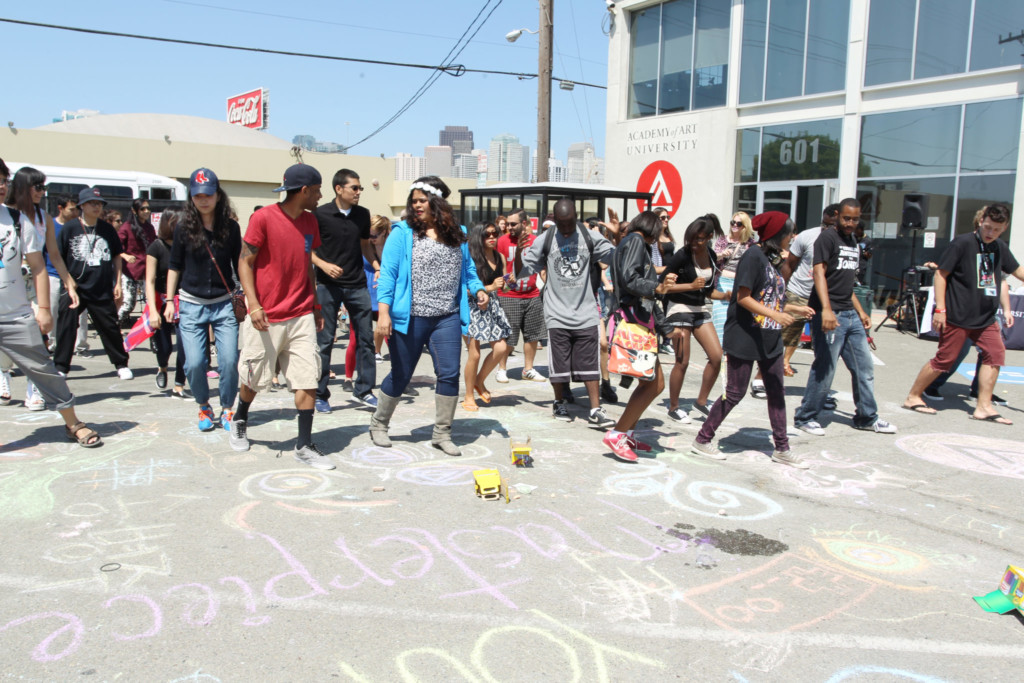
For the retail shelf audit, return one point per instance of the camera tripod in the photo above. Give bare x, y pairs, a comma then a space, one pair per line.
906, 300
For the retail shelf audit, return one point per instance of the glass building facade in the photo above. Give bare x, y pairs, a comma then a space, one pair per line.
828, 99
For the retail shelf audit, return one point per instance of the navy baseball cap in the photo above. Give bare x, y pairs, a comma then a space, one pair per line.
90, 194
299, 176
203, 181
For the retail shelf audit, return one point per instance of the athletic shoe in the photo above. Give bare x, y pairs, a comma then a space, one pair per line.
33, 399
560, 412
757, 390
311, 455
322, 406
880, 427
599, 419
679, 415
608, 393
125, 373
704, 410
161, 379
501, 376
829, 403
226, 416
212, 374
5, 388
237, 438
619, 444
637, 445
206, 420
789, 458
378, 358
534, 376
932, 395
368, 400
706, 450
813, 428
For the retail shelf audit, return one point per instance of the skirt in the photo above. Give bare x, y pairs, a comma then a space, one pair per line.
490, 324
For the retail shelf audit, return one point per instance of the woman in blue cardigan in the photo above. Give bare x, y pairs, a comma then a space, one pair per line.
425, 273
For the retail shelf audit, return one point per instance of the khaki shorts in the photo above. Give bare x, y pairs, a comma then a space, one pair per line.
291, 343
791, 335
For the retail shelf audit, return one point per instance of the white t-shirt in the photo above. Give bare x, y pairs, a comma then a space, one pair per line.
13, 247
801, 282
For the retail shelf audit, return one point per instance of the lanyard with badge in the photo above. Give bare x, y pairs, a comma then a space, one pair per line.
986, 267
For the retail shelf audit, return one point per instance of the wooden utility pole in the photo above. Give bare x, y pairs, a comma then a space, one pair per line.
544, 90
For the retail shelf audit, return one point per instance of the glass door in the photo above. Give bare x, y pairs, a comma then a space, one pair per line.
803, 202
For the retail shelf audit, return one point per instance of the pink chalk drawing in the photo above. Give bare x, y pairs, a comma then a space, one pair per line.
981, 454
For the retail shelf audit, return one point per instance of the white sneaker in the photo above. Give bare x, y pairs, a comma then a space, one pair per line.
812, 428
707, 450
501, 376
314, 457
680, 416
5, 388
125, 373
33, 399
881, 427
789, 458
236, 437
534, 376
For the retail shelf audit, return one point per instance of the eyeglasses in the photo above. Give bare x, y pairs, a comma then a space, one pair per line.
356, 188
738, 224
39, 187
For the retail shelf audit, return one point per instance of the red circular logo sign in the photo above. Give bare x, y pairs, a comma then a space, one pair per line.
662, 180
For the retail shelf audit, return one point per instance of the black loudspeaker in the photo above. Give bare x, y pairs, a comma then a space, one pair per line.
915, 211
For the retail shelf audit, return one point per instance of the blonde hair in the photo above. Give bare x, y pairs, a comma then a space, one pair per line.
380, 224
748, 230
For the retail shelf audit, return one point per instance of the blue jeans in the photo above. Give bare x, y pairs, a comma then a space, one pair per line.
194, 334
850, 341
360, 315
443, 337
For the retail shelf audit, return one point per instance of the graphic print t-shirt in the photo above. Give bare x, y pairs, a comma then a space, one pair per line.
841, 256
748, 336
14, 244
88, 254
517, 289
975, 276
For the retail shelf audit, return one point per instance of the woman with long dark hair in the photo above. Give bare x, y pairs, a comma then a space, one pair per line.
753, 334
637, 288
136, 234
694, 266
426, 270
204, 260
158, 258
488, 325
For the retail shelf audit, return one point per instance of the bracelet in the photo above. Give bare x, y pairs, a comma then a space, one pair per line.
939, 310
317, 307
256, 310
43, 308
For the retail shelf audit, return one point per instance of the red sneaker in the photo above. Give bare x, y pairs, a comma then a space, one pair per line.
620, 446
637, 445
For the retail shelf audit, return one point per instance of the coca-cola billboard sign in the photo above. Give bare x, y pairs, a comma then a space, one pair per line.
249, 109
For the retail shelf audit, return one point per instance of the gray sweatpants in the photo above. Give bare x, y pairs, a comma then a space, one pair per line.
21, 340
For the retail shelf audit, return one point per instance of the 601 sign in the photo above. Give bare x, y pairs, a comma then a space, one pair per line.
795, 152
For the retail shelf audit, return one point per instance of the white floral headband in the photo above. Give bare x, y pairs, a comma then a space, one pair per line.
428, 189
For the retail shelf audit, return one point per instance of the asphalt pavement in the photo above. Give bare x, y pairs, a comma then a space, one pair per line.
166, 556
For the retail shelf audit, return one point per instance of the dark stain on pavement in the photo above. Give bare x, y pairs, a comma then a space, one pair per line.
738, 542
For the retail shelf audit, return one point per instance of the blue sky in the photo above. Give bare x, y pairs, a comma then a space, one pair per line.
49, 71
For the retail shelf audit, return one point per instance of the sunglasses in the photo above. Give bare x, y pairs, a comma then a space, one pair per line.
665, 218
39, 187
490, 233
356, 188
738, 224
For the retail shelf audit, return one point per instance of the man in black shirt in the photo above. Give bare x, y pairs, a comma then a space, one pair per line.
840, 329
967, 285
92, 251
340, 279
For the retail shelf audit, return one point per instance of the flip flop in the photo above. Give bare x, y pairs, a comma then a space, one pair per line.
994, 417
471, 407
788, 371
485, 396
922, 408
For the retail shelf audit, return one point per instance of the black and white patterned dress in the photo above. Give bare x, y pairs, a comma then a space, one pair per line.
490, 324
436, 275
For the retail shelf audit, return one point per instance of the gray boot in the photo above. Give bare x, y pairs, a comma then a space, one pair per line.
381, 419
442, 438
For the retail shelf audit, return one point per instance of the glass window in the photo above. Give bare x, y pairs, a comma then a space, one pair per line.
991, 136
745, 199
991, 19
676, 55
755, 19
941, 37
890, 41
978, 191
643, 77
785, 74
918, 142
711, 55
827, 36
748, 147
798, 151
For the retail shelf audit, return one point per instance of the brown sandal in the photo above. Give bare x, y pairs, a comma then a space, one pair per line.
90, 440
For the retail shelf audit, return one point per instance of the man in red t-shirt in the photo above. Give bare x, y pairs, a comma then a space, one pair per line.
276, 271
520, 300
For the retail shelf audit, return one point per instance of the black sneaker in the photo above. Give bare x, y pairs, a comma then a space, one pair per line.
704, 410
608, 393
599, 419
161, 379
932, 395
560, 412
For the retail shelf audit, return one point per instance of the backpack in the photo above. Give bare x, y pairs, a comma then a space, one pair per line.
595, 267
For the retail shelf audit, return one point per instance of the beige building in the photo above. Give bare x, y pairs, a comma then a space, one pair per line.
249, 163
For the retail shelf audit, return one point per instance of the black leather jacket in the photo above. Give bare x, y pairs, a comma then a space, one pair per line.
636, 280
